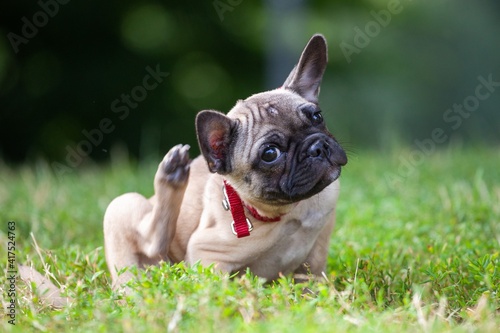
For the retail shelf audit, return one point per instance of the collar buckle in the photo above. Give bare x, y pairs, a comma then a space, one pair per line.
249, 225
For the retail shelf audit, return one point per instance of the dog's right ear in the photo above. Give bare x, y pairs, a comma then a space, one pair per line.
215, 132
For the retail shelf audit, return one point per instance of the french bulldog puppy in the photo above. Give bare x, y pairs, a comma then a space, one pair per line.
273, 165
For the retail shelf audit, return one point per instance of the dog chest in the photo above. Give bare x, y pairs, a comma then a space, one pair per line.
290, 248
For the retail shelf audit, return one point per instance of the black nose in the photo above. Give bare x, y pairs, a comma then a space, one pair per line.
320, 148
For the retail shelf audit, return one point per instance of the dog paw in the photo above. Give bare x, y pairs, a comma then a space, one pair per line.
175, 166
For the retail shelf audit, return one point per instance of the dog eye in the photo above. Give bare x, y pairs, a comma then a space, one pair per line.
317, 118
313, 113
270, 154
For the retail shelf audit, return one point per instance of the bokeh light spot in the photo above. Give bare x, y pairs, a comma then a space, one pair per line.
146, 28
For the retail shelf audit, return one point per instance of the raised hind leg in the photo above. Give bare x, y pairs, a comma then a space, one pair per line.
138, 231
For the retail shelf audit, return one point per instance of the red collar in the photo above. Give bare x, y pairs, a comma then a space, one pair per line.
241, 225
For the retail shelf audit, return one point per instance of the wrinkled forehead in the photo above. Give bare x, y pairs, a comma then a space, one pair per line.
275, 104
280, 95
274, 114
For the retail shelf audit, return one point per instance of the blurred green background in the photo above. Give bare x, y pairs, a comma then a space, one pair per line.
396, 70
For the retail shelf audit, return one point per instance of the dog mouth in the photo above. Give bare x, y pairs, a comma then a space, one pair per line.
295, 188
318, 163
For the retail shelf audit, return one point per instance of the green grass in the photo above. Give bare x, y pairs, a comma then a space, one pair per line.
420, 254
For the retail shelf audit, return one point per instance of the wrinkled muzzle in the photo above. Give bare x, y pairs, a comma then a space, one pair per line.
316, 164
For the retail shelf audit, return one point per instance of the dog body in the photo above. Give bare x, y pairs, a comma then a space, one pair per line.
270, 162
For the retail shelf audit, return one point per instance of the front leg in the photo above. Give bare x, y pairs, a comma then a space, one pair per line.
158, 228
315, 262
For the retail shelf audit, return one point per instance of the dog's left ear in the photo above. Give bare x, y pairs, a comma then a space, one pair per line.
215, 132
306, 76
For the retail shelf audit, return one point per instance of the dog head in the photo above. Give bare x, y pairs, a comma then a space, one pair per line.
274, 146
